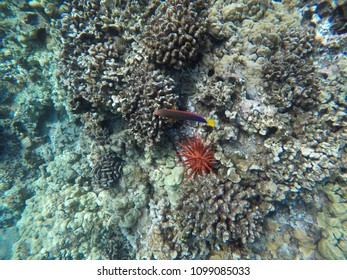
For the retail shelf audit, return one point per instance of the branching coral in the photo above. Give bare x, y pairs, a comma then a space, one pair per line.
176, 33
290, 74
224, 211
148, 90
95, 37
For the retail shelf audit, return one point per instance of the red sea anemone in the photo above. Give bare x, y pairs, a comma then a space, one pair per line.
195, 156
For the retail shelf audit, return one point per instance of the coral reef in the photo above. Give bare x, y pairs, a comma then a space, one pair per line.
292, 233
175, 34
338, 19
333, 11
8, 236
26, 103
87, 171
224, 212
91, 57
210, 215
333, 245
224, 16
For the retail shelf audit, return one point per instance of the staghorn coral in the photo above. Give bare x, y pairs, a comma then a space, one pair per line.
176, 33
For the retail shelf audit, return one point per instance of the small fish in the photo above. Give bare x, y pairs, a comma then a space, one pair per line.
182, 116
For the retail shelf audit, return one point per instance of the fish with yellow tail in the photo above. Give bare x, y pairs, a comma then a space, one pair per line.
179, 115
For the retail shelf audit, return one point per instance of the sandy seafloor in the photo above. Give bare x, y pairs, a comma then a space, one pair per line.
87, 171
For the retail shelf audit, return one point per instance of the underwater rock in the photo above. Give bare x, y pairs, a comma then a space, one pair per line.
130, 218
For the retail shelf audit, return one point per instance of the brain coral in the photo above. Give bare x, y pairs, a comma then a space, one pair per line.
108, 170
176, 33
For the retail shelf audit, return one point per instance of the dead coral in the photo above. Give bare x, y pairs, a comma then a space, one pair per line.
176, 33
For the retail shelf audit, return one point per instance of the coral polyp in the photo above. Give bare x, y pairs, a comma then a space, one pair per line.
196, 157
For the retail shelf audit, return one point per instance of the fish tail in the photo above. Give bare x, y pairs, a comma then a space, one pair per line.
210, 122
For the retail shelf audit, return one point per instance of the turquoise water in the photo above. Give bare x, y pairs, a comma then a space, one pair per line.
245, 160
